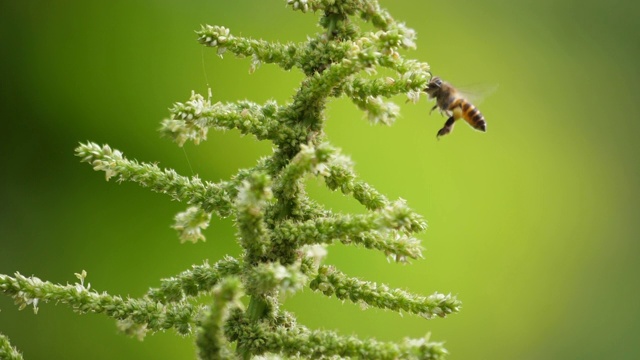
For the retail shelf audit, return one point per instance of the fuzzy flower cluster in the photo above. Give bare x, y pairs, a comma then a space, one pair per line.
283, 232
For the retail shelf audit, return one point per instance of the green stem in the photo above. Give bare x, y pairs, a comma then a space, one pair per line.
256, 311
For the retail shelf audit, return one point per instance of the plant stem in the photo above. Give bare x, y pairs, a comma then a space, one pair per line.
256, 311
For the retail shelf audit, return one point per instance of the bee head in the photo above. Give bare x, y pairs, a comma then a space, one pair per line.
433, 86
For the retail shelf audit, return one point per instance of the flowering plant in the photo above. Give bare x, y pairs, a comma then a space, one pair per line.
282, 231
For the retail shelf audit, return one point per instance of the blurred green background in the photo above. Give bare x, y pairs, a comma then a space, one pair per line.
531, 224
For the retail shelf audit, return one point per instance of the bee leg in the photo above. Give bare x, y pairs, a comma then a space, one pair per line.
433, 108
448, 127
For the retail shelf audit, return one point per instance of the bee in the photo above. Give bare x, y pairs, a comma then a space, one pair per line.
453, 105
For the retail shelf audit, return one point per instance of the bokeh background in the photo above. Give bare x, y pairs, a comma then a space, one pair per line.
533, 225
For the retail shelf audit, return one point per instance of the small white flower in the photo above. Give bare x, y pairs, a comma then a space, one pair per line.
316, 252
190, 224
413, 95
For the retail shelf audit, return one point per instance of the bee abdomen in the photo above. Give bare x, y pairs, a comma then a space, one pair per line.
473, 116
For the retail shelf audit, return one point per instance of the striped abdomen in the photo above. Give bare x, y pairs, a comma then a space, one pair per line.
469, 113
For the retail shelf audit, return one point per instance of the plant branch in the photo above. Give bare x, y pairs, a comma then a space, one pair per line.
154, 316
260, 338
193, 282
210, 338
330, 282
285, 55
211, 197
7, 351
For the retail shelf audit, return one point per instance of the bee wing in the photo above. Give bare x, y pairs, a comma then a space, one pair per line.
476, 94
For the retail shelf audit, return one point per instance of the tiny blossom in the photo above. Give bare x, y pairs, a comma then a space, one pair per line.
81, 276
414, 96
190, 224
316, 252
370, 70
255, 64
299, 5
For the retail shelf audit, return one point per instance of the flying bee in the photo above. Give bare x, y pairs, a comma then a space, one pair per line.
454, 105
